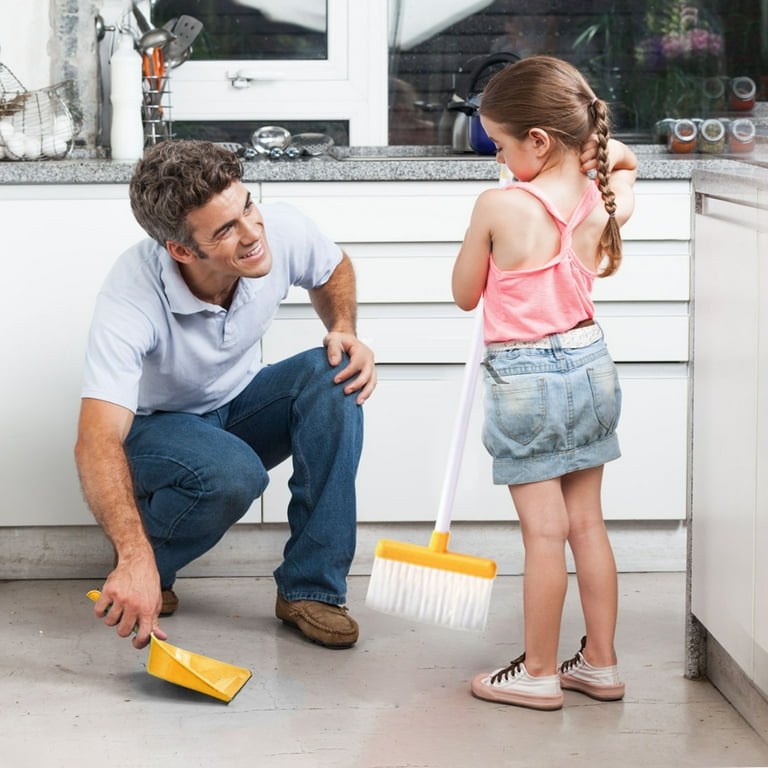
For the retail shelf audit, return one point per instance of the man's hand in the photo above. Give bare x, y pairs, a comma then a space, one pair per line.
131, 594
130, 600
336, 306
361, 371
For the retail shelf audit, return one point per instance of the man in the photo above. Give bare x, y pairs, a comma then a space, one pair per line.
180, 421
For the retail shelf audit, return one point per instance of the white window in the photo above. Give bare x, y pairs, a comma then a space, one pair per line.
351, 84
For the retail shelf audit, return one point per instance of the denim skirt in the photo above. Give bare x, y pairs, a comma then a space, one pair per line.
549, 411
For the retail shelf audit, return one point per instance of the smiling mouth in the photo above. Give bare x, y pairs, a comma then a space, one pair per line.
255, 253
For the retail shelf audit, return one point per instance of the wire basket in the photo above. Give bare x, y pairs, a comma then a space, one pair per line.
36, 125
10, 87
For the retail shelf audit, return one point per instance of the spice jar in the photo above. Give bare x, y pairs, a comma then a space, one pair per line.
682, 136
661, 130
711, 136
742, 135
742, 93
713, 90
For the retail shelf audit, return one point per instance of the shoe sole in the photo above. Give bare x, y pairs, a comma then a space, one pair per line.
333, 646
597, 692
516, 699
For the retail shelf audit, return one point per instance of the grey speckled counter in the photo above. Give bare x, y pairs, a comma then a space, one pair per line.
363, 164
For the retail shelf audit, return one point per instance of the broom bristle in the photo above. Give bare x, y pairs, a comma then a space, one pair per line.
446, 597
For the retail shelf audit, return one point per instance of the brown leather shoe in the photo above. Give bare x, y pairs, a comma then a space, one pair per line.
170, 602
323, 623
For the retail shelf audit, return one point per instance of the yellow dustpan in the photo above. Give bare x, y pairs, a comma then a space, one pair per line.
191, 670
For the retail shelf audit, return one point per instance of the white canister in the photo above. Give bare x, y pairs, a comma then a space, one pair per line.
127, 132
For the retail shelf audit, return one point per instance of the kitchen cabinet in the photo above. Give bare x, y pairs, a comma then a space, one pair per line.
403, 238
729, 499
61, 239
58, 244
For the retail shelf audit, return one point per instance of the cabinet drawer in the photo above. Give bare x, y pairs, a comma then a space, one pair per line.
408, 426
663, 211
659, 337
411, 273
425, 211
428, 334
401, 337
384, 212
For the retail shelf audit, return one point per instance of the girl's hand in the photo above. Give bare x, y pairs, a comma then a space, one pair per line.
588, 157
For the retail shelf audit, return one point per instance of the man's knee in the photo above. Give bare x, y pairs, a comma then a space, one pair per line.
209, 468
236, 480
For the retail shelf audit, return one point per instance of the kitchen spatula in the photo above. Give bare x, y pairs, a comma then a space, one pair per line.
186, 29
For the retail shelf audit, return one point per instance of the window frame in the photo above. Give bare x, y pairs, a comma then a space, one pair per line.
350, 85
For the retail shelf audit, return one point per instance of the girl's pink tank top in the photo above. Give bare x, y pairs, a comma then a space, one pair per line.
528, 304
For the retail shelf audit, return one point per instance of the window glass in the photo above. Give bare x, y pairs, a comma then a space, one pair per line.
252, 29
649, 60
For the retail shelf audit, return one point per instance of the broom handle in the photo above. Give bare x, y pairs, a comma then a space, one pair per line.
461, 425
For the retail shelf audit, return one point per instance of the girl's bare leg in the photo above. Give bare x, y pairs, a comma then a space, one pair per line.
544, 524
595, 564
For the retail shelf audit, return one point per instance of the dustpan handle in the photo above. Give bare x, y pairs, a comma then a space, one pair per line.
461, 425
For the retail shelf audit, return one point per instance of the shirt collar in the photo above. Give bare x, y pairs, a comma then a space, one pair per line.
180, 299
183, 302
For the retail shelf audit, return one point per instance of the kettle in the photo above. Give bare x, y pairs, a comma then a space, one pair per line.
468, 134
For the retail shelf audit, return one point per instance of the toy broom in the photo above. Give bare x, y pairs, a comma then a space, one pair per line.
430, 583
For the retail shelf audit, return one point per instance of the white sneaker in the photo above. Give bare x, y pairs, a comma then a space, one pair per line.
513, 685
601, 683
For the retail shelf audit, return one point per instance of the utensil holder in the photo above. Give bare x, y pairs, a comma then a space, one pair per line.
156, 110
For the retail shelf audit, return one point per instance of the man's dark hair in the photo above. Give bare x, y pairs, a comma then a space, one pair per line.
174, 178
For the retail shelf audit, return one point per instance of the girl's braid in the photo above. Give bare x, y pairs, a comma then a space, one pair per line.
610, 240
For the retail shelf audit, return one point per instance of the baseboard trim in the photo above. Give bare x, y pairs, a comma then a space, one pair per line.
731, 680
83, 552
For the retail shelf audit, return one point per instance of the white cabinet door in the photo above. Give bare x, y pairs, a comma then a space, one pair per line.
57, 251
725, 397
761, 447
649, 481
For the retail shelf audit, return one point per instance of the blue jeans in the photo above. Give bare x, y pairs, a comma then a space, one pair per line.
195, 476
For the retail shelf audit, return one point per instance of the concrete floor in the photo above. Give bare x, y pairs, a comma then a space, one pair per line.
73, 694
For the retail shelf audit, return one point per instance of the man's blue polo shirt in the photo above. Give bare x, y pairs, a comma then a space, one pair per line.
154, 346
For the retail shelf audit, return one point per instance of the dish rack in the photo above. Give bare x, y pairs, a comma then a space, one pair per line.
39, 124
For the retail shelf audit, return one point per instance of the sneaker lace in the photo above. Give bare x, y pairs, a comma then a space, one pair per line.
511, 670
571, 663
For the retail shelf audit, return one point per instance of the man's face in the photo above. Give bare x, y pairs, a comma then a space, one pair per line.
230, 238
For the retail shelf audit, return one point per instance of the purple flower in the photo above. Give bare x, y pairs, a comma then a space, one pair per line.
649, 52
702, 43
674, 46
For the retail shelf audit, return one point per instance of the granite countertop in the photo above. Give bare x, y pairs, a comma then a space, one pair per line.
357, 164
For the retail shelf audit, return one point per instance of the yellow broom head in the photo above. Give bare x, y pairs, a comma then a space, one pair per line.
431, 584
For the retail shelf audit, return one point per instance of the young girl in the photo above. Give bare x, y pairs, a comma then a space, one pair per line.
532, 252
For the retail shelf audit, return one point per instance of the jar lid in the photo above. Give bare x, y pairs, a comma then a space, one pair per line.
684, 130
743, 129
713, 87
743, 87
712, 130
